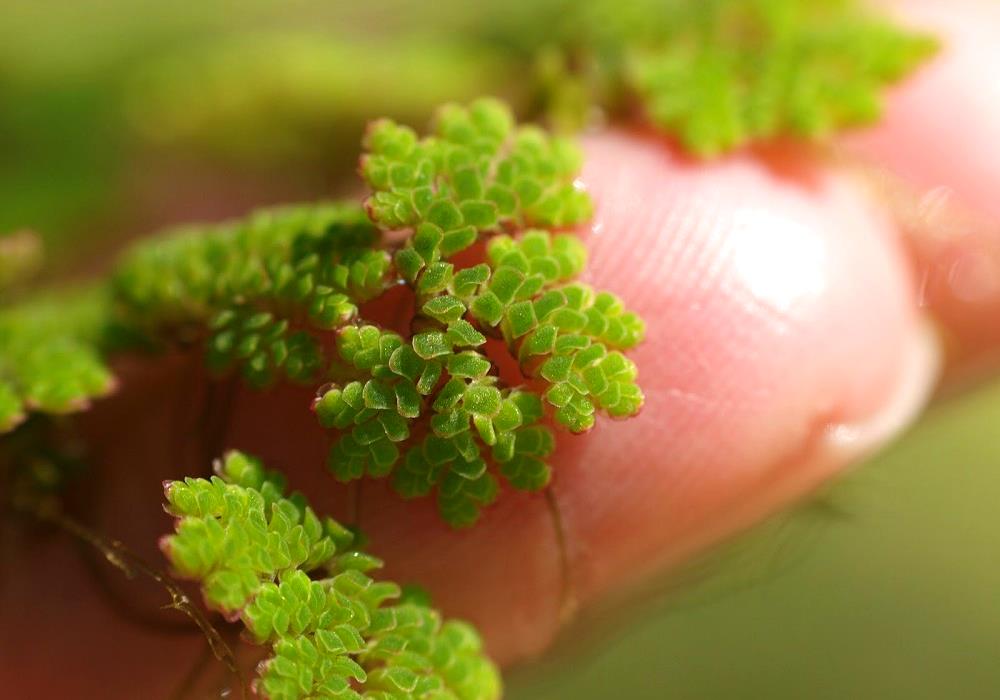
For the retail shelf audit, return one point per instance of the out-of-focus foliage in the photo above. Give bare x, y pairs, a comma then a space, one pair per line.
50, 359
91, 91
266, 97
716, 74
728, 72
92, 94
20, 259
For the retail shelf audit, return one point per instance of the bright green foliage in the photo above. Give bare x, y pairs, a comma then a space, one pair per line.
277, 96
262, 286
478, 173
237, 531
428, 409
270, 295
398, 383
719, 74
264, 344
49, 360
401, 382
733, 71
451, 459
300, 586
377, 409
468, 412
567, 333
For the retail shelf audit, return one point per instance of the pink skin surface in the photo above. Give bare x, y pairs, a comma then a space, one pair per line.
785, 341
940, 140
940, 129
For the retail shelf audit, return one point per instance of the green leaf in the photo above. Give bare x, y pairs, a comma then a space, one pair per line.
445, 309
724, 74
461, 333
468, 365
431, 344
482, 400
461, 180
51, 355
331, 630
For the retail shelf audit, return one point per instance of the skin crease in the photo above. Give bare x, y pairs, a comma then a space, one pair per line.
780, 302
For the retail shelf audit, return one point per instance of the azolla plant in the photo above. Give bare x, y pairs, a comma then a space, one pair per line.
476, 222
471, 231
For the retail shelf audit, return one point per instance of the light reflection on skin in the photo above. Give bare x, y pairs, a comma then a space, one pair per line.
761, 247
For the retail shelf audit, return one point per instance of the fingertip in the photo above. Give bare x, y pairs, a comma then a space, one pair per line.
779, 306
782, 344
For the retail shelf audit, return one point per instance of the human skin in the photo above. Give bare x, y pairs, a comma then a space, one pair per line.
797, 317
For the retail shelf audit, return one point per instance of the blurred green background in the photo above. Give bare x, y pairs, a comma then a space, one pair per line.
119, 116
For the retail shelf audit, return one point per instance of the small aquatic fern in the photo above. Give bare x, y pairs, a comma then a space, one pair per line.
751, 70
256, 291
714, 74
721, 74
477, 175
478, 172
50, 358
278, 295
302, 588
468, 233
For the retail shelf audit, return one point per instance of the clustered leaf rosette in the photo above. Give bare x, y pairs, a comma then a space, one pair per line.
769, 67
430, 410
302, 588
720, 74
477, 173
279, 295
260, 291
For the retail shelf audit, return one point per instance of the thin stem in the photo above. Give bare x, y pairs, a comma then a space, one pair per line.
131, 565
124, 607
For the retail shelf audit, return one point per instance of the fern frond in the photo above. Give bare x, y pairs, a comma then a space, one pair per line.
50, 357
301, 587
720, 74
267, 294
379, 408
430, 410
261, 286
566, 333
734, 72
478, 173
